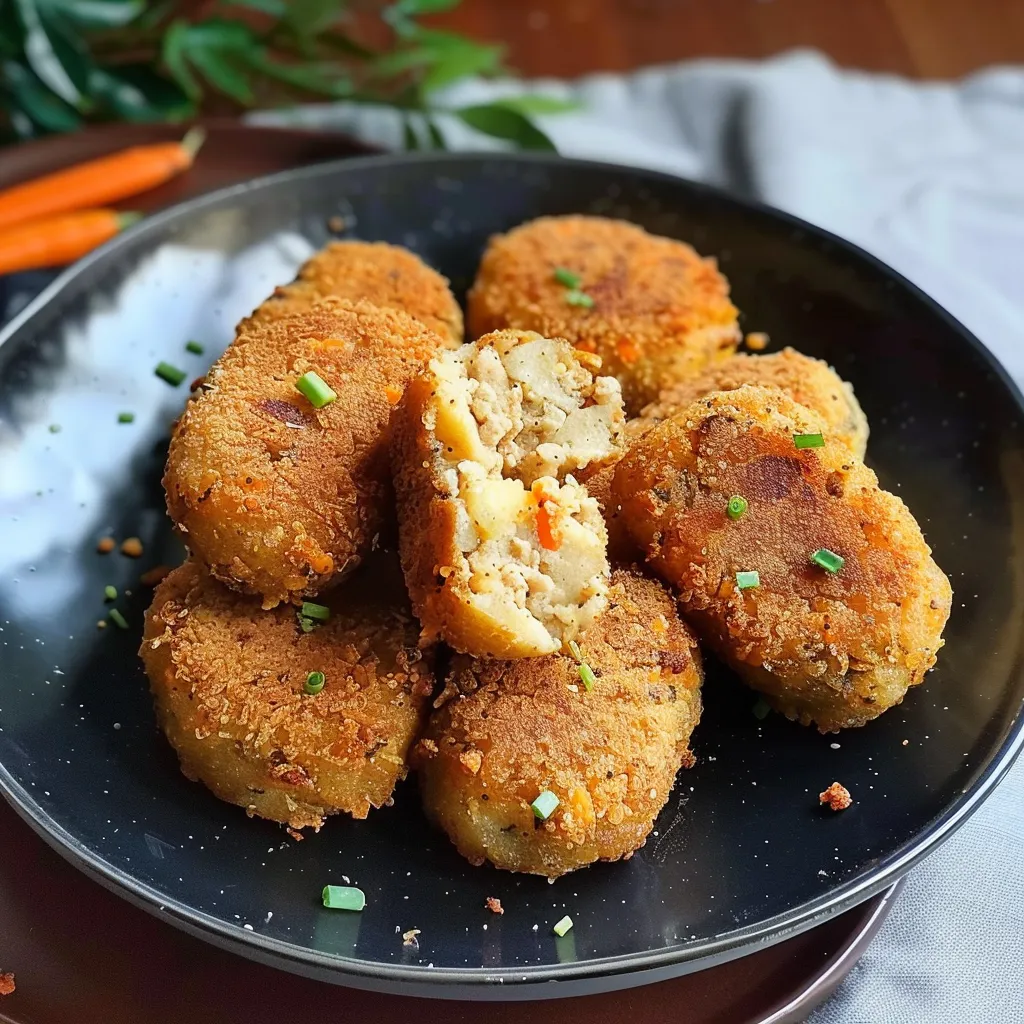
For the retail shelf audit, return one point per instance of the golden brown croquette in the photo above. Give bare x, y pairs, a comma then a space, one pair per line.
386, 275
811, 382
507, 731
503, 551
277, 497
833, 648
229, 684
652, 308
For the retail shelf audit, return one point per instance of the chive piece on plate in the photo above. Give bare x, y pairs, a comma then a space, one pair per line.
314, 682
171, 374
545, 804
809, 440
306, 625
317, 612
315, 389
578, 298
126, 417
343, 897
118, 619
563, 926
54, 428
194, 347
736, 507
748, 580
828, 560
587, 675
110, 593
563, 275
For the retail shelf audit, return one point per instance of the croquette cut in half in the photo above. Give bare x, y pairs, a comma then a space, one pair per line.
277, 497
599, 762
229, 682
386, 275
503, 551
810, 382
653, 309
818, 588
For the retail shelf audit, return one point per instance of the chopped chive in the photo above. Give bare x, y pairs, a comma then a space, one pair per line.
314, 682
747, 580
809, 440
737, 506
316, 389
54, 428
194, 347
578, 298
588, 677
110, 593
761, 709
563, 926
318, 612
306, 625
118, 619
343, 897
544, 805
576, 652
828, 560
171, 374
563, 275
126, 417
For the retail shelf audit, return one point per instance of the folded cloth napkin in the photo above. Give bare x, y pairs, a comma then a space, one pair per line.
929, 178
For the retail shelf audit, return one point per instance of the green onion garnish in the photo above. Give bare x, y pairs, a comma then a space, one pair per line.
317, 612
578, 298
588, 677
306, 625
110, 593
747, 580
563, 926
828, 560
171, 374
544, 805
576, 652
809, 440
126, 417
737, 506
563, 275
761, 708
343, 897
54, 428
118, 619
314, 682
316, 389
194, 347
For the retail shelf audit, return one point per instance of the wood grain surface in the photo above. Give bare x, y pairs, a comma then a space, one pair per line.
919, 38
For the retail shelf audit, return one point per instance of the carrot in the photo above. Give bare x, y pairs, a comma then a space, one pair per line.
545, 531
58, 240
99, 182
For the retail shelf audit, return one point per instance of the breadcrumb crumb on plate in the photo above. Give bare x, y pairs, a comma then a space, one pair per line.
837, 797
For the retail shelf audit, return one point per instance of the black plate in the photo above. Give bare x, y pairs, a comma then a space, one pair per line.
741, 856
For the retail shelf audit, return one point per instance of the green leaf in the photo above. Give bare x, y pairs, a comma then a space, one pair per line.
409, 137
310, 17
36, 101
537, 104
94, 14
278, 8
135, 92
173, 54
459, 61
223, 74
413, 8
437, 139
218, 49
502, 123
318, 78
70, 50
41, 57
341, 42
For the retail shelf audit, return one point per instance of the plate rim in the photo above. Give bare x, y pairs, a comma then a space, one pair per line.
623, 970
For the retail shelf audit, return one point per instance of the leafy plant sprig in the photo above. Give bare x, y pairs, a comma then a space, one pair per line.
64, 63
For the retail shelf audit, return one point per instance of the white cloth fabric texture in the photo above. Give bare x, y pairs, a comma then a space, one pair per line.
929, 178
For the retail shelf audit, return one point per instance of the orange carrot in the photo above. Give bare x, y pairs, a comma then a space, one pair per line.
58, 240
99, 182
545, 531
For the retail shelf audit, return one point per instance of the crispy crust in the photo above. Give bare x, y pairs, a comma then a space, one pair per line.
276, 497
661, 312
505, 731
227, 681
836, 650
386, 275
811, 382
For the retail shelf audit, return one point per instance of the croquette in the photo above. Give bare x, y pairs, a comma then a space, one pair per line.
653, 309
229, 685
833, 646
385, 275
503, 550
811, 382
277, 497
507, 731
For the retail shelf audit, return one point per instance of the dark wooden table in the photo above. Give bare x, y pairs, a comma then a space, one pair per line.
919, 38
